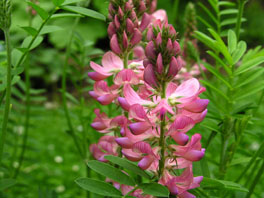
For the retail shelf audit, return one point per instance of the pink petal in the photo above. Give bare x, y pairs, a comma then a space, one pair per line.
123, 103
132, 156
137, 112
197, 105
146, 19
115, 45
126, 76
139, 127
98, 125
101, 70
112, 61
145, 162
142, 147
124, 142
160, 15
106, 99
180, 138
182, 124
194, 155
136, 38
97, 76
132, 97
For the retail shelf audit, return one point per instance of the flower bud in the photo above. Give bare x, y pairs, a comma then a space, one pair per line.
120, 13
169, 45
176, 47
159, 39
159, 64
129, 25
146, 19
114, 44
150, 34
111, 29
149, 76
136, 38
125, 41
116, 21
174, 67
150, 50
128, 7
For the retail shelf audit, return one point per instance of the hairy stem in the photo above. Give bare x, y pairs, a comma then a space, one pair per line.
8, 93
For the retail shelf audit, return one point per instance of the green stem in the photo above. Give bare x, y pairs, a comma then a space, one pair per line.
27, 116
125, 60
253, 159
26, 124
162, 136
64, 98
256, 180
241, 5
8, 93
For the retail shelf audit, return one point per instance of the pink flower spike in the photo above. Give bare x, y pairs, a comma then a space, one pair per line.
115, 45
150, 77
137, 113
138, 128
180, 138
112, 62
159, 63
123, 103
146, 19
136, 38
145, 162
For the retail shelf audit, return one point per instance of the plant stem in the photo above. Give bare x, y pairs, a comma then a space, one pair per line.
8, 93
162, 136
253, 159
125, 60
256, 180
64, 99
27, 116
241, 5
27, 119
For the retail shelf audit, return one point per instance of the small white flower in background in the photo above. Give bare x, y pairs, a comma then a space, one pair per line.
80, 128
15, 164
75, 168
58, 159
50, 105
60, 189
19, 130
254, 146
54, 77
2, 174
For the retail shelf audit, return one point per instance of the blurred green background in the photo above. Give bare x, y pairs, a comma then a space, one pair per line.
51, 161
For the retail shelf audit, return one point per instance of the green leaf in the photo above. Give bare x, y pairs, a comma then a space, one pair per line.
42, 13
248, 91
232, 41
231, 21
250, 64
209, 13
67, 2
228, 11
6, 183
85, 11
63, 15
155, 189
127, 165
58, 2
15, 80
30, 30
219, 60
111, 172
204, 22
206, 40
239, 52
210, 183
35, 44
213, 3
71, 98
214, 88
49, 29
221, 46
98, 187
249, 77
226, 3
216, 73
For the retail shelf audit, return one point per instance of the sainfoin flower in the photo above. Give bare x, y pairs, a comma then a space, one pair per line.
157, 110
